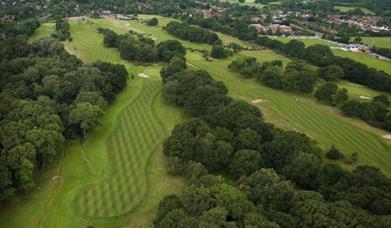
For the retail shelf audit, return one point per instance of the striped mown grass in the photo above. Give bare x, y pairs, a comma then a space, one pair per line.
137, 134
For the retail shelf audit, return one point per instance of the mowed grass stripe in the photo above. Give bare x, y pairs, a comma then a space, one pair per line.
137, 133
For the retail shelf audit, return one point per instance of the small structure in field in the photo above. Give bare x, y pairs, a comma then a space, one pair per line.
142, 75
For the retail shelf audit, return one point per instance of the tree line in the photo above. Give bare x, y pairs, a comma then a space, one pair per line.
137, 47
279, 177
192, 33
303, 78
62, 30
320, 55
47, 96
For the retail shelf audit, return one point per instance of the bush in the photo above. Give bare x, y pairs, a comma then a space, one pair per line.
334, 154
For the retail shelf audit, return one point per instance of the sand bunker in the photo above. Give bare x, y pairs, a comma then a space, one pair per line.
365, 98
387, 137
258, 101
142, 75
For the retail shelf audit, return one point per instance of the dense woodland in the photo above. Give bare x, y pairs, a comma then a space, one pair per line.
137, 47
47, 96
280, 178
191, 33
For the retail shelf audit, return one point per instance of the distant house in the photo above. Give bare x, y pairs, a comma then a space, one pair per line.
123, 17
274, 28
358, 48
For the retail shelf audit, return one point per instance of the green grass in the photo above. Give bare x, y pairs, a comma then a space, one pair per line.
247, 3
46, 29
345, 9
356, 90
129, 139
322, 123
119, 175
307, 42
384, 42
369, 60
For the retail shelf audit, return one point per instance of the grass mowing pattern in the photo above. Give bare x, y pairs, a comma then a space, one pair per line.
301, 113
137, 134
322, 123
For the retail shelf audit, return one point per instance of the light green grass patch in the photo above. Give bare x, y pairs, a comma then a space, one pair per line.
384, 42
364, 58
371, 61
46, 29
356, 90
346, 9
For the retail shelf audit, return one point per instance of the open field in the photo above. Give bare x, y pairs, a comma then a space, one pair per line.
119, 169
308, 41
384, 42
370, 60
44, 30
356, 90
351, 8
323, 123
247, 3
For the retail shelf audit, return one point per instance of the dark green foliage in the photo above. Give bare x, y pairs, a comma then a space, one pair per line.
246, 66
219, 52
331, 73
192, 33
152, 22
326, 92
334, 154
62, 29
46, 98
170, 48
245, 162
110, 38
322, 56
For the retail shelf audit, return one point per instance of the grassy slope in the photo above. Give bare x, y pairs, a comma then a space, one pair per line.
247, 3
351, 8
371, 61
137, 122
323, 123
384, 42
44, 30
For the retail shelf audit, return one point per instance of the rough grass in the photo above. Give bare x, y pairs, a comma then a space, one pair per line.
384, 42
119, 175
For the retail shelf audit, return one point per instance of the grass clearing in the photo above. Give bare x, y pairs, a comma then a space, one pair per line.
369, 60
346, 9
120, 168
384, 42
46, 29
